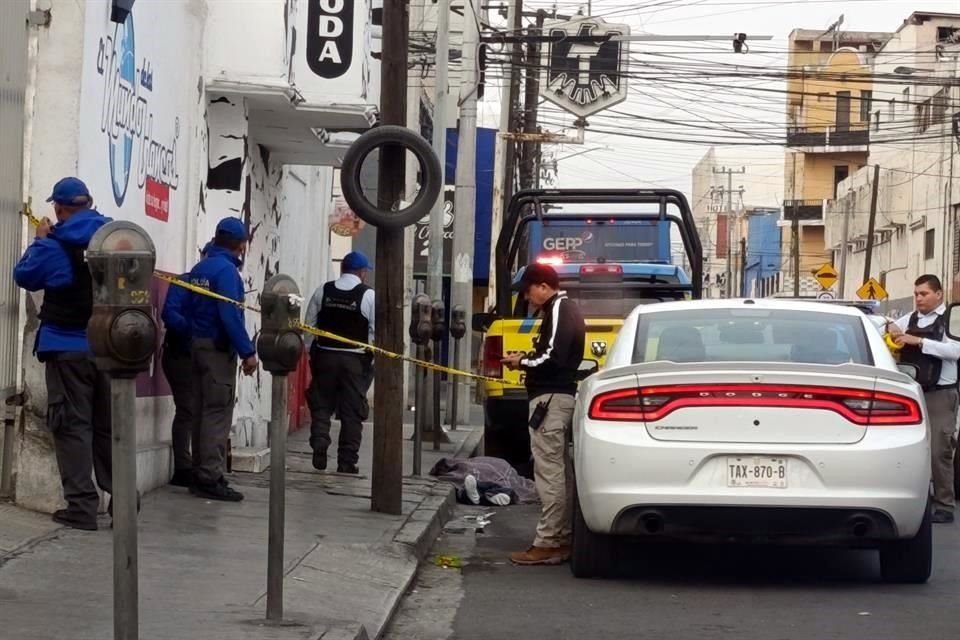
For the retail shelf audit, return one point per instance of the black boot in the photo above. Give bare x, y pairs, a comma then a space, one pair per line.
346, 467
68, 519
182, 478
220, 491
320, 459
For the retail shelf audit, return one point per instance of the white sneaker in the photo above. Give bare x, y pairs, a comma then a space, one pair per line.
470, 486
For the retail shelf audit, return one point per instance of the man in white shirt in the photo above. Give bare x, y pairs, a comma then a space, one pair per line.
926, 345
341, 374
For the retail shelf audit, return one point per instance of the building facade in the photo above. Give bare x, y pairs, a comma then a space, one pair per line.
912, 167
176, 115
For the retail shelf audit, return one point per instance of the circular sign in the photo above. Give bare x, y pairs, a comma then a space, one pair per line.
825, 295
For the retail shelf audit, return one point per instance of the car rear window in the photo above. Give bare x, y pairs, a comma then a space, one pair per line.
751, 335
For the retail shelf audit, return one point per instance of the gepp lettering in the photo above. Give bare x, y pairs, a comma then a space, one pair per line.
562, 244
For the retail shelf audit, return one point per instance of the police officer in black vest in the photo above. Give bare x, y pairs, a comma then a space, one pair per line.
341, 374
926, 345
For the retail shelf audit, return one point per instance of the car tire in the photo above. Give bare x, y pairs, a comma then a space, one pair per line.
431, 176
593, 555
910, 561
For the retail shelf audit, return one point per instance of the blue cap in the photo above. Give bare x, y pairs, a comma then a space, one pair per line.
355, 261
232, 228
71, 192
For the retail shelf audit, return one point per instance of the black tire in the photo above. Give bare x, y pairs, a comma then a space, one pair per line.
431, 176
909, 561
593, 555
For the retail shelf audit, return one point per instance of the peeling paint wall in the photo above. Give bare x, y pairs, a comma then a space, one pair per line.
181, 159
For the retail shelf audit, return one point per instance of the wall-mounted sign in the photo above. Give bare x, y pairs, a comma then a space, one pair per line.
584, 77
343, 221
329, 37
422, 240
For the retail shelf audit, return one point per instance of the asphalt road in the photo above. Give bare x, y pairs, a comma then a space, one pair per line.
679, 592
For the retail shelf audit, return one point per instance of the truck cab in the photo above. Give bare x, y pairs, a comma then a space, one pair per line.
612, 251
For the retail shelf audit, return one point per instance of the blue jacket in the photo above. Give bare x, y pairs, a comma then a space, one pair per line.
176, 313
209, 318
45, 265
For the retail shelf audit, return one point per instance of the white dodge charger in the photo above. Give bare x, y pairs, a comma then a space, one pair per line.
764, 421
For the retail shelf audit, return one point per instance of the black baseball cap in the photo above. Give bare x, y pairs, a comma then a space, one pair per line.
539, 274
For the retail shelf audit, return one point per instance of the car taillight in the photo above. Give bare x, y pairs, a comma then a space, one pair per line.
596, 269
860, 406
492, 355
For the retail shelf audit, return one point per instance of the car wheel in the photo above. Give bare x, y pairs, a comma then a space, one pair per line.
593, 555
910, 561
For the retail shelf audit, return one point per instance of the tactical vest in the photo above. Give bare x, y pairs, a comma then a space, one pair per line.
928, 367
340, 314
70, 307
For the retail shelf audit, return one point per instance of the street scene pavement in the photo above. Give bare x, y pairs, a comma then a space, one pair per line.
686, 592
203, 564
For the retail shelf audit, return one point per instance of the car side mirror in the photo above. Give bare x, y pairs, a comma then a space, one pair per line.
953, 321
910, 369
482, 321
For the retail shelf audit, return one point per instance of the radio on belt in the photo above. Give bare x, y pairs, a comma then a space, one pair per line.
122, 332
280, 344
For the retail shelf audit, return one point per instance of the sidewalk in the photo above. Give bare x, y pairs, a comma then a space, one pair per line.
203, 564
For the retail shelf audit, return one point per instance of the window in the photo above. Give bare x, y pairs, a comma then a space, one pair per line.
929, 244
948, 34
840, 173
923, 116
751, 335
866, 98
938, 113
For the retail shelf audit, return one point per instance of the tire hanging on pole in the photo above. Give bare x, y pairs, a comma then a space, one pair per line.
431, 177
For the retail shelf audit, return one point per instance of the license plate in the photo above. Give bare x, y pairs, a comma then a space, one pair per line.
757, 471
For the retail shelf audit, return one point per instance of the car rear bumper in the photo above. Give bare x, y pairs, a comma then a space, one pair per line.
782, 525
882, 480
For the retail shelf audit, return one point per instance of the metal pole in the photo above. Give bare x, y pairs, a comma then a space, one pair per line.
6, 458
437, 424
421, 403
843, 246
454, 382
126, 599
461, 288
871, 225
278, 480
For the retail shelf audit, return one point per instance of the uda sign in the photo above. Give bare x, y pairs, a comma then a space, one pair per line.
329, 37
584, 77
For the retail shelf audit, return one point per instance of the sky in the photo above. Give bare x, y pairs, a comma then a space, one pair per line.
679, 83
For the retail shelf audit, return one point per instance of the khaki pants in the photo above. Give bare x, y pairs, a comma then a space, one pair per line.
942, 409
553, 470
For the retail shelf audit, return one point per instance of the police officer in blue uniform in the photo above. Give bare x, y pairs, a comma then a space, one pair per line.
218, 338
78, 395
177, 366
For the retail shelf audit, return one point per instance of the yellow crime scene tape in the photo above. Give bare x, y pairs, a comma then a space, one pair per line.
320, 333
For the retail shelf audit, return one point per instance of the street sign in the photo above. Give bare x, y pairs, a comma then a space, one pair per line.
826, 276
872, 290
825, 295
585, 77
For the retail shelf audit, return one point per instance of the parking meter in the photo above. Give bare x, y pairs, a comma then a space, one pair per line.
280, 344
122, 332
421, 326
437, 321
458, 322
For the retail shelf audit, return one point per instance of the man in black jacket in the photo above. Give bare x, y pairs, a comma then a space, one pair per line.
551, 375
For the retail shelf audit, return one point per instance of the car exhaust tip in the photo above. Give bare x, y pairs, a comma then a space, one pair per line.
652, 522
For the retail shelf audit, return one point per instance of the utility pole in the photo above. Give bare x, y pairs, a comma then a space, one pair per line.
441, 92
795, 249
529, 167
465, 198
844, 238
730, 216
435, 250
503, 158
871, 225
387, 465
